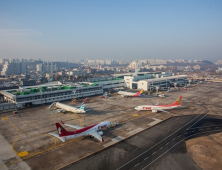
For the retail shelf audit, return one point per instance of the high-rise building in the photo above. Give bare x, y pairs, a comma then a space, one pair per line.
39, 67
89, 70
196, 67
15, 60
46, 67
24, 60
2, 61
10, 68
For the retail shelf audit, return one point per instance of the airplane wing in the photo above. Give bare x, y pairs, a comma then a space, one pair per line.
74, 126
97, 136
58, 110
87, 110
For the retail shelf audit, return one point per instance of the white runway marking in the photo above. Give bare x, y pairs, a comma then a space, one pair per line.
137, 164
154, 122
114, 140
134, 131
160, 141
199, 119
146, 158
173, 147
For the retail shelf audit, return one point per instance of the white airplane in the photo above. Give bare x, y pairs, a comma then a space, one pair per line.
162, 108
66, 108
93, 131
129, 94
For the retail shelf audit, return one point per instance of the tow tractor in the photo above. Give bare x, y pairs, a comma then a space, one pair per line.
160, 95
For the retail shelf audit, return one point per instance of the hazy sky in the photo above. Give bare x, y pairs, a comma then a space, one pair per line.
111, 29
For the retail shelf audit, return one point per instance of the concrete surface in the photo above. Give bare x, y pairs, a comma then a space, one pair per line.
7, 154
30, 131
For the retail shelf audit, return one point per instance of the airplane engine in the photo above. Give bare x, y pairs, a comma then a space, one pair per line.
100, 133
123, 95
154, 111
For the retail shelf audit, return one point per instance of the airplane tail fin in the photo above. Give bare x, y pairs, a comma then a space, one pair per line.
82, 107
140, 92
85, 100
61, 130
178, 101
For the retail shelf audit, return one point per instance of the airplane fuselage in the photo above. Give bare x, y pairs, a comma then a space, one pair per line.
127, 94
87, 130
69, 108
156, 107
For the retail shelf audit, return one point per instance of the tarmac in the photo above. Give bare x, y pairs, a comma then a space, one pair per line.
27, 136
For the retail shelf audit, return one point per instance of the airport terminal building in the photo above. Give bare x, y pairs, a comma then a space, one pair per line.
152, 80
56, 91
50, 92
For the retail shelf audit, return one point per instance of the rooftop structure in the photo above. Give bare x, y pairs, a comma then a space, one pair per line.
133, 80
108, 82
163, 83
50, 92
131, 74
56, 91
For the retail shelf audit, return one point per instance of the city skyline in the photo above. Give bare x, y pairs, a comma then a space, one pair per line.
125, 30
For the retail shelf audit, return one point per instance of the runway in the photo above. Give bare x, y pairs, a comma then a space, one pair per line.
191, 129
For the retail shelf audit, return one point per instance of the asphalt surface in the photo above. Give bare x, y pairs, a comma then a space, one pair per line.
165, 146
145, 159
198, 126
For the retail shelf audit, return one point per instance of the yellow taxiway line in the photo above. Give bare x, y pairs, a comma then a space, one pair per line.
24, 153
80, 121
63, 144
108, 146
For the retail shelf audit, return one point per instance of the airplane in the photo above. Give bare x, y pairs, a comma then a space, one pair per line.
162, 108
93, 131
64, 108
129, 94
